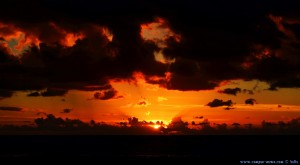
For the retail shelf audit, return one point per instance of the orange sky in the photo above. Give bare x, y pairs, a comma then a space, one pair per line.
159, 104
152, 102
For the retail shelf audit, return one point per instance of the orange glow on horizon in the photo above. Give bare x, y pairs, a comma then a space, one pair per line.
156, 126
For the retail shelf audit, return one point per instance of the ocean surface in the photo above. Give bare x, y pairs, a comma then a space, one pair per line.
172, 148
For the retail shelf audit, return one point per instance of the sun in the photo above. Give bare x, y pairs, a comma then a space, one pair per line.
156, 126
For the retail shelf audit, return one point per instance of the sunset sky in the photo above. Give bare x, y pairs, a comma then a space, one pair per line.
155, 60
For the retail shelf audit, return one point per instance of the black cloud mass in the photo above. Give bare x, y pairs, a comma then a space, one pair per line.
73, 45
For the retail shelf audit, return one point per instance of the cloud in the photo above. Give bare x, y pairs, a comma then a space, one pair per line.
231, 91
107, 94
69, 50
250, 101
142, 103
17, 109
218, 103
161, 99
67, 110
235, 91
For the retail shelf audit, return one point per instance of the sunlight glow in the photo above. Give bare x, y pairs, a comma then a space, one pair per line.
156, 126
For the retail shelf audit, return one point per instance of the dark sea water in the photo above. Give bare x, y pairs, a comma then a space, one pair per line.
144, 149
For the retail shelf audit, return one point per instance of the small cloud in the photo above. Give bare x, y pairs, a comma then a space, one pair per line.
67, 110
231, 91
142, 103
235, 91
250, 101
218, 103
11, 109
161, 99
107, 94
229, 108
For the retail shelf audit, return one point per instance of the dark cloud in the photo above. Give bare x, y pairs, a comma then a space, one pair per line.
82, 47
229, 108
231, 91
105, 95
17, 109
67, 110
235, 91
250, 101
218, 103
142, 103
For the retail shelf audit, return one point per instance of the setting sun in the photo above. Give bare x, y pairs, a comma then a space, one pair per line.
149, 70
156, 126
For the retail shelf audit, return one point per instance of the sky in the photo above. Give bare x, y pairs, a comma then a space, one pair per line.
155, 60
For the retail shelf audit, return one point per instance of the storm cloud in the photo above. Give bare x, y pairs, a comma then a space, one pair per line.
62, 48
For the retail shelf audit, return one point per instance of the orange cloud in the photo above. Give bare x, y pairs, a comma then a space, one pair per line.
69, 38
10, 32
158, 32
27, 41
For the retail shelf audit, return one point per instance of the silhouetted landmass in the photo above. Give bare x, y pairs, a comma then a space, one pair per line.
56, 125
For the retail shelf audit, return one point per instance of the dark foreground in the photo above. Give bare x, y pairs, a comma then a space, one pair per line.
144, 149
